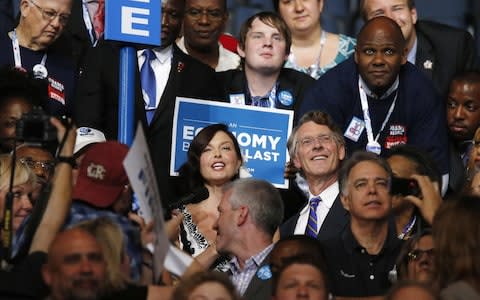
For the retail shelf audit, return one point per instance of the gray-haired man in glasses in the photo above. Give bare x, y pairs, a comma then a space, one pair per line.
31, 47
316, 148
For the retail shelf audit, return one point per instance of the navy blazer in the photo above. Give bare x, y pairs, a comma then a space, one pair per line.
335, 222
442, 52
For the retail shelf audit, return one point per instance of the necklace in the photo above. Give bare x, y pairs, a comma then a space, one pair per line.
314, 69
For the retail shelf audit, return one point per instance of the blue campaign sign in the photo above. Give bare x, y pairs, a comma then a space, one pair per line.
134, 21
262, 134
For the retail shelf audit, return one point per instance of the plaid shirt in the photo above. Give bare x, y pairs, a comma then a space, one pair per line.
81, 212
241, 278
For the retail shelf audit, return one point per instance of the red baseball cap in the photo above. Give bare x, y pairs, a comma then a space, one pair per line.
101, 176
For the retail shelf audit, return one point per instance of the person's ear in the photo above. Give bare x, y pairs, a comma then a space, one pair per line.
24, 8
240, 51
413, 13
242, 215
345, 201
341, 152
46, 275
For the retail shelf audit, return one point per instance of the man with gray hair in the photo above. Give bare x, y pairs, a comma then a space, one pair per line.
361, 259
250, 212
316, 147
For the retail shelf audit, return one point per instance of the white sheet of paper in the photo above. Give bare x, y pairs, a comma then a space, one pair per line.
141, 174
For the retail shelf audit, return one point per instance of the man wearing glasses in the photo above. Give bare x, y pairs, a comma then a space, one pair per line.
203, 24
41, 161
316, 148
31, 47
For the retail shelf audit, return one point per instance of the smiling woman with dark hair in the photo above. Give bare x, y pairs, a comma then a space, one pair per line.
214, 158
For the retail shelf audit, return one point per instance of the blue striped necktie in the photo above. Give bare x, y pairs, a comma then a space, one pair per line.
312, 229
149, 83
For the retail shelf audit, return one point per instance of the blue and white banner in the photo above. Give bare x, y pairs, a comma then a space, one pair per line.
262, 134
135, 21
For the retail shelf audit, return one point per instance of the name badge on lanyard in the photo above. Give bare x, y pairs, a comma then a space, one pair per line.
373, 145
39, 70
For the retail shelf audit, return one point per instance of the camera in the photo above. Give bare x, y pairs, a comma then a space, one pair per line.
35, 127
404, 187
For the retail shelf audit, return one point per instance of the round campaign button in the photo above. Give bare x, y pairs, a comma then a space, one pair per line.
285, 97
264, 273
40, 71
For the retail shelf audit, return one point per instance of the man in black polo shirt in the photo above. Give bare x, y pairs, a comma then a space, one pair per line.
361, 258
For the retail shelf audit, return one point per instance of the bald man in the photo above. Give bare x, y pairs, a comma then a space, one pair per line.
379, 99
440, 51
75, 268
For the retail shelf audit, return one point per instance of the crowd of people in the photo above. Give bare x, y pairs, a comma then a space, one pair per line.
383, 196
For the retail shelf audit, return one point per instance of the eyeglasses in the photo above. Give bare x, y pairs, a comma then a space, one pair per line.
416, 254
475, 143
310, 140
32, 164
50, 14
212, 14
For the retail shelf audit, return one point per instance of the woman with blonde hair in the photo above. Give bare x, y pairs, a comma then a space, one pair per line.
23, 184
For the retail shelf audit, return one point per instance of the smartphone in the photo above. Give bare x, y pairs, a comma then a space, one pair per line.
404, 187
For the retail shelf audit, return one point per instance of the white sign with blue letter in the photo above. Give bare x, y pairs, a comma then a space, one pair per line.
134, 21
262, 134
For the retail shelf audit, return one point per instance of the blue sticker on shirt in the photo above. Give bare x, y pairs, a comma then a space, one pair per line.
264, 273
285, 97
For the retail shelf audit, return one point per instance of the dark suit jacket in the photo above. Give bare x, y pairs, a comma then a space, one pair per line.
97, 102
259, 288
76, 34
443, 51
335, 222
457, 172
294, 82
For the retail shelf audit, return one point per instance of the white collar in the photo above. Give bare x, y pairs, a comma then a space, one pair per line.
162, 54
328, 197
412, 54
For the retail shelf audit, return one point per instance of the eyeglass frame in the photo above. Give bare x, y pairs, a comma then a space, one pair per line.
210, 13
51, 14
416, 254
48, 166
475, 143
321, 138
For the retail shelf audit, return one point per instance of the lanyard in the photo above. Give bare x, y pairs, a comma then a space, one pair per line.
88, 23
366, 114
406, 230
16, 52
